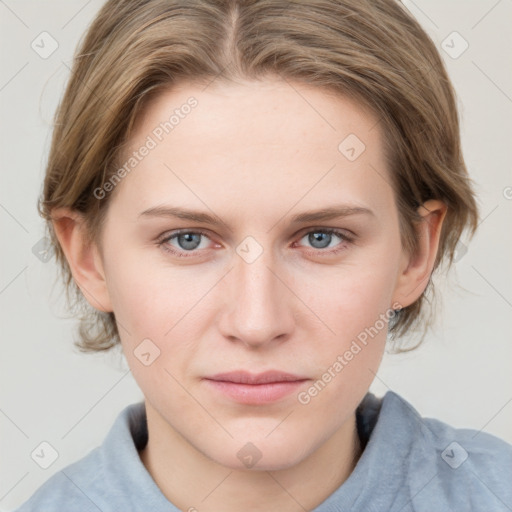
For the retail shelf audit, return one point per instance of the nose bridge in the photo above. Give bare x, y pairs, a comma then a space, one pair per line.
258, 302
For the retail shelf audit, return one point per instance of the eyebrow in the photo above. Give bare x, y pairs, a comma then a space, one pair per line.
328, 213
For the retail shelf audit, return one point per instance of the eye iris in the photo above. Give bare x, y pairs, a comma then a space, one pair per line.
189, 240
315, 237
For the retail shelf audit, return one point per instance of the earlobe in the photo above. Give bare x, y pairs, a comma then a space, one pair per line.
84, 258
417, 268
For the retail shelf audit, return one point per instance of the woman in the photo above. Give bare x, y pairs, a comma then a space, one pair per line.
252, 197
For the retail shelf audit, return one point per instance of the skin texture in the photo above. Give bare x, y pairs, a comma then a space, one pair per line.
253, 154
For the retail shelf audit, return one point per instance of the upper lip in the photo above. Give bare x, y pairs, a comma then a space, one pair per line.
244, 377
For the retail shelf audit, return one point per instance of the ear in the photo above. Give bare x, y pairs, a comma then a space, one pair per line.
416, 268
84, 258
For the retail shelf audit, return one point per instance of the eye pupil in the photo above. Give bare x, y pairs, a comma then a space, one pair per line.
189, 240
317, 237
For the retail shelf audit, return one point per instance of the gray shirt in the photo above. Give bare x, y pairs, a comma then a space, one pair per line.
409, 463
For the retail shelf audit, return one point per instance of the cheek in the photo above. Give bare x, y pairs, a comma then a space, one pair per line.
364, 298
160, 315
354, 298
356, 308
346, 362
148, 298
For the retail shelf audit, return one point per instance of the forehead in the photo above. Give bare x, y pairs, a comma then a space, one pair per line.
300, 114
251, 146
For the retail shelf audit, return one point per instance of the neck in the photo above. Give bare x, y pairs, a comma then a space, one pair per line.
194, 482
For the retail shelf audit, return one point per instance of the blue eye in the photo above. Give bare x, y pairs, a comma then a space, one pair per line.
321, 239
190, 241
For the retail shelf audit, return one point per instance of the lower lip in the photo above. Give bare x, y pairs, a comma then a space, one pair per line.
256, 393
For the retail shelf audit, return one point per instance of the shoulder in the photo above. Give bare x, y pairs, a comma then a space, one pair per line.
110, 478
73, 487
470, 469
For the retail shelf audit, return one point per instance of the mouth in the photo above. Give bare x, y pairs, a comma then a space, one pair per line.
255, 389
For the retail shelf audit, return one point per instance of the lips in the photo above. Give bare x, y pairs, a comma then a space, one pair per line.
255, 389
243, 377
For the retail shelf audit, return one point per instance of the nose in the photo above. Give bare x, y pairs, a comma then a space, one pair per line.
258, 306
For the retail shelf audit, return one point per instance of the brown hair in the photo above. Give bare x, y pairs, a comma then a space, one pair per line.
372, 51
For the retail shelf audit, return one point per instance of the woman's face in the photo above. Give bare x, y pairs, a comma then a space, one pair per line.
249, 286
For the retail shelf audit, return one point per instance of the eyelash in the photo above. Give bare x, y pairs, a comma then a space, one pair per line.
346, 240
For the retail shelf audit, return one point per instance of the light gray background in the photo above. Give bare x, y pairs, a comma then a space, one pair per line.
50, 392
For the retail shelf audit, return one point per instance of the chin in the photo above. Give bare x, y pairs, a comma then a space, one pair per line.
260, 455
